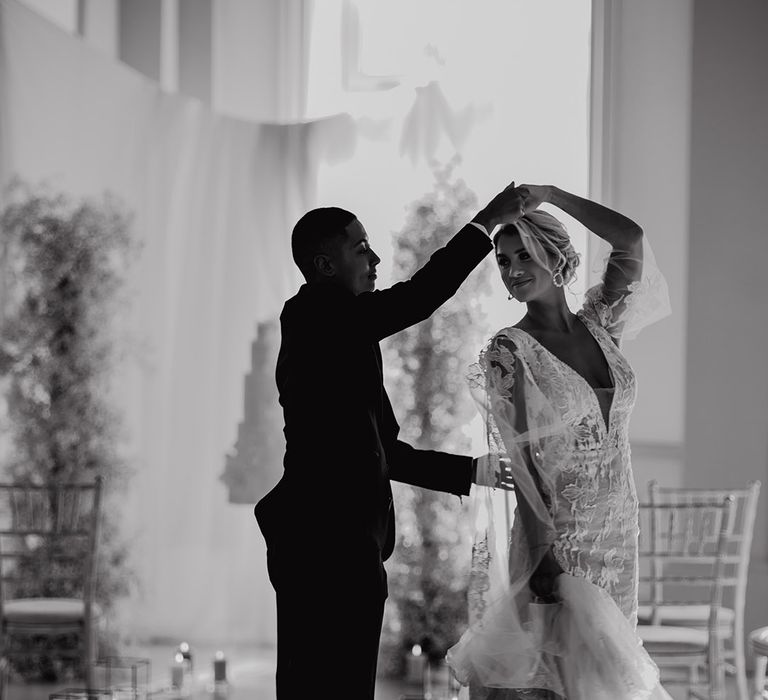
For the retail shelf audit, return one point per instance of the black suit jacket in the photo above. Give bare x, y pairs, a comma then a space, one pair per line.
342, 445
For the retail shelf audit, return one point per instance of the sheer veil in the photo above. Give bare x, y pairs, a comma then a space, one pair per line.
524, 429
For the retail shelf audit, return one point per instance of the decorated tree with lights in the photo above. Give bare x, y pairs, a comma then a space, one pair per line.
427, 365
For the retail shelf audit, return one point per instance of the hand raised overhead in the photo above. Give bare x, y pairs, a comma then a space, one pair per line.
533, 196
505, 208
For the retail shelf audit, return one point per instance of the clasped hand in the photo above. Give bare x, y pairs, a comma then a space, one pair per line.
494, 471
544, 577
512, 203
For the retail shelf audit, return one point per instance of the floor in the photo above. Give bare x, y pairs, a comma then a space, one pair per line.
250, 672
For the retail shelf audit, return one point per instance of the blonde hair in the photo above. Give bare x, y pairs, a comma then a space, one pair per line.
540, 229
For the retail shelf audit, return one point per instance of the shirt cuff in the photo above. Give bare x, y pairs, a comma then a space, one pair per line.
480, 226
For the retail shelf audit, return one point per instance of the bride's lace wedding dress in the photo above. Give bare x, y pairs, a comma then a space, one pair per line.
570, 442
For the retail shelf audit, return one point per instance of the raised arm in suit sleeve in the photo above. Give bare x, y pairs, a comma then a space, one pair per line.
385, 312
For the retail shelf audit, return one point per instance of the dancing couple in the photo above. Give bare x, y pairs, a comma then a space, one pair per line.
553, 584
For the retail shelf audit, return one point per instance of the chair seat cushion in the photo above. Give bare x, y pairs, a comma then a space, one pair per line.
44, 611
758, 640
667, 639
686, 616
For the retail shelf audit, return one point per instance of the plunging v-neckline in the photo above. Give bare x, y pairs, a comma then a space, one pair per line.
606, 420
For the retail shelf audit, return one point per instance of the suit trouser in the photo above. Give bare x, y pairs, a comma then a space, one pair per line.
328, 629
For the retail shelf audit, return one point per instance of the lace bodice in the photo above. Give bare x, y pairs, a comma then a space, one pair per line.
595, 514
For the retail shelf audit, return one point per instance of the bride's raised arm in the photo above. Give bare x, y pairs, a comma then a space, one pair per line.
632, 293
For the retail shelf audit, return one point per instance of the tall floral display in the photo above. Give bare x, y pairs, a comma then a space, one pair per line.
63, 267
427, 366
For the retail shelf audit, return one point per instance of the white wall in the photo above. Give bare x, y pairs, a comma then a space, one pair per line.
642, 142
196, 49
60, 12
99, 25
245, 58
686, 154
140, 31
726, 425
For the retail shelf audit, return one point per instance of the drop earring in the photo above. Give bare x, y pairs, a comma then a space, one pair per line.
557, 275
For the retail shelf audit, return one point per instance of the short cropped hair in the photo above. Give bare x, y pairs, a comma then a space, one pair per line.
315, 233
551, 235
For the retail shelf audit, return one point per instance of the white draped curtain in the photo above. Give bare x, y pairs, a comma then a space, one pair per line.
214, 200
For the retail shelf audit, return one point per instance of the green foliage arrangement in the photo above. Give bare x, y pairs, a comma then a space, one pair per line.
429, 570
64, 264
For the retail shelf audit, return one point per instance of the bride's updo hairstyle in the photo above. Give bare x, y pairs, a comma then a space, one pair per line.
547, 241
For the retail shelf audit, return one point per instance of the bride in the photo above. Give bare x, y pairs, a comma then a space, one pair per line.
553, 588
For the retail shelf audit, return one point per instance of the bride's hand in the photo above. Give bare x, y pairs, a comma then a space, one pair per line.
542, 581
495, 472
533, 196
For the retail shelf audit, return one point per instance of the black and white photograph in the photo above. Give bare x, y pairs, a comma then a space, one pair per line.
383, 349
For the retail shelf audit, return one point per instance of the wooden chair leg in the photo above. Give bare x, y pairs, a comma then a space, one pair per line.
736, 655
693, 674
758, 682
740, 664
4, 678
693, 679
88, 658
716, 671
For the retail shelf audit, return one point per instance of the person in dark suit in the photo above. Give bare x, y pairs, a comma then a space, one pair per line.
329, 522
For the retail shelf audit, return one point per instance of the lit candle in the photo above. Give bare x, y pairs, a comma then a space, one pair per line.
186, 651
219, 668
415, 665
177, 671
